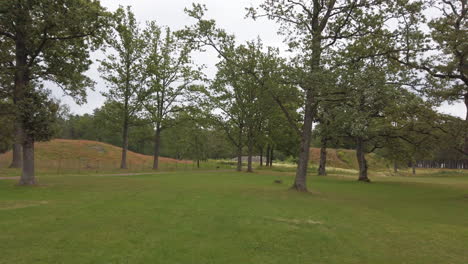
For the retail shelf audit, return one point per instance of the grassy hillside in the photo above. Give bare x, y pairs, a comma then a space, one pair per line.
346, 159
63, 154
232, 218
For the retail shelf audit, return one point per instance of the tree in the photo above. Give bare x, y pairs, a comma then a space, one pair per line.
124, 71
313, 28
51, 48
170, 73
442, 54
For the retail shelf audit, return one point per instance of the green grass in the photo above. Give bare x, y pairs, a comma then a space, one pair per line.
223, 217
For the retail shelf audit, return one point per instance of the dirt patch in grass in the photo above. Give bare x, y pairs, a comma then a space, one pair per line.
10, 205
295, 221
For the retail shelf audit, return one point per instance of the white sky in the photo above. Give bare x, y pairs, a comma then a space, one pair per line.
229, 14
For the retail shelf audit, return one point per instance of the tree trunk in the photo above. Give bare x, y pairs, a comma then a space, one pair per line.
17, 160
250, 154
413, 166
157, 144
261, 157
395, 167
239, 158
322, 170
27, 177
239, 149
198, 163
300, 183
123, 163
271, 156
268, 156
21, 84
17, 153
362, 162
466, 125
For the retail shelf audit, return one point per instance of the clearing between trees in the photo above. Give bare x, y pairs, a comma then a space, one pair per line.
229, 217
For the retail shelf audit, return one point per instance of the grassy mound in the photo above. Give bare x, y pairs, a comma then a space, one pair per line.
64, 154
346, 159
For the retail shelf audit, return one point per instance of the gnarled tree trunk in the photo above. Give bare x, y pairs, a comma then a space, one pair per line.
362, 162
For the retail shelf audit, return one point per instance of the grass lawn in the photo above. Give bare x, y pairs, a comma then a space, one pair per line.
224, 217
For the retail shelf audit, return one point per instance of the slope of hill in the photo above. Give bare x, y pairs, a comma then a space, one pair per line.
346, 159
85, 154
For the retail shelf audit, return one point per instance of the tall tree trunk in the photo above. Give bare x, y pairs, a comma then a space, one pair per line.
198, 163
466, 125
300, 183
157, 148
261, 157
239, 158
395, 166
362, 162
413, 166
268, 156
28, 177
21, 84
17, 161
271, 156
239, 149
322, 170
123, 163
250, 148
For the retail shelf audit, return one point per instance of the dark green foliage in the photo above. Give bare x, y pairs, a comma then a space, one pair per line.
38, 114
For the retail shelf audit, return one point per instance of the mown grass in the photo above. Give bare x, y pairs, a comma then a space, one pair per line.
227, 217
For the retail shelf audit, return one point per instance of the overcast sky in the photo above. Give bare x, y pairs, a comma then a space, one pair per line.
228, 15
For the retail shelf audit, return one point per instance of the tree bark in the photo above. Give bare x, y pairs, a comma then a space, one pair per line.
466, 125
261, 157
157, 148
21, 84
300, 182
268, 156
123, 163
17, 160
239, 149
362, 162
271, 156
239, 158
322, 170
17, 151
395, 167
250, 148
28, 177
413, 166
